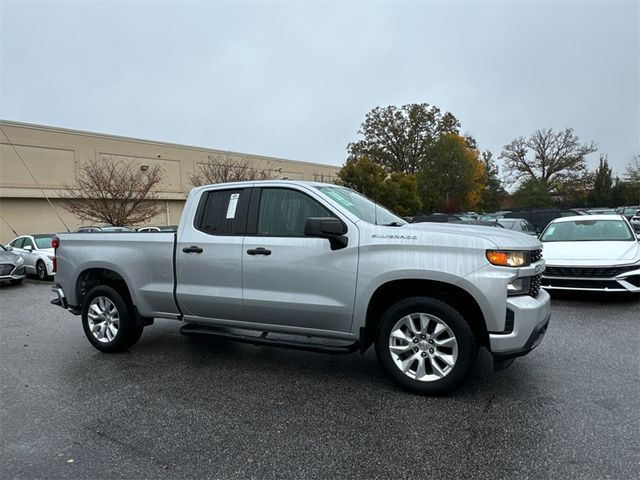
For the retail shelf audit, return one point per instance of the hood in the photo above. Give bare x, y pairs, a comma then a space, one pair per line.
48, 251
499, 237
8, 257
591, 253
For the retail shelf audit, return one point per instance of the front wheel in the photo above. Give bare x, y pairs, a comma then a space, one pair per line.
41, 270
108, 320
425, 346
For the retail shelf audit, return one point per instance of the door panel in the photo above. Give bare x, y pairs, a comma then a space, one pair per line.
302, 282
210, 281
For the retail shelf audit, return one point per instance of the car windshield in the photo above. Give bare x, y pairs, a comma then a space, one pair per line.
361, 206
587, 231
43, 241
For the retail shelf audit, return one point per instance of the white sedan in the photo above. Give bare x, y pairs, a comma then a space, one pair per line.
594, 253
37, 252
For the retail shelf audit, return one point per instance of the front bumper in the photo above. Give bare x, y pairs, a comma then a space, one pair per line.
17, 273
628, 281
529, 320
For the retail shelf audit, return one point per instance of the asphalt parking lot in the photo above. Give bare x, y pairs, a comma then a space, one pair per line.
176, 406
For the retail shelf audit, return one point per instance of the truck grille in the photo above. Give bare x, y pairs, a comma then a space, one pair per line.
593, 272
534, 285
5, 268
536, 255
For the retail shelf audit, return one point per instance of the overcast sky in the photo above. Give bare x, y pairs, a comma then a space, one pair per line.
295, 79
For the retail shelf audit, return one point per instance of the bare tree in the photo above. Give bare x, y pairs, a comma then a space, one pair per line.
547, 157
114, 192
227, 169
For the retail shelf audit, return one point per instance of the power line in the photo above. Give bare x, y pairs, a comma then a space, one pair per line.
33, 177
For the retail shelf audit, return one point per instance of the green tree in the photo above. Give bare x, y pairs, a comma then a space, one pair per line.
494, 192
399, 138
396, 191
602, 190
532, 194
548, 158
453, 178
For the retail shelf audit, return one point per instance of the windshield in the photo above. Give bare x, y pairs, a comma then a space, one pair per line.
43, 242
587, 231
361, 206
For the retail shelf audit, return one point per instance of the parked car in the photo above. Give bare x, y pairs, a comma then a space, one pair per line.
325, 269
103, 228
635, 221
437, 218
540, 217
518, 225
628, 212
597, 253
160, 228
37, 253
492, 217
602, 211
481, 223
11, 267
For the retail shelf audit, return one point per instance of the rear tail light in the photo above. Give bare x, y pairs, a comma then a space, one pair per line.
55, 243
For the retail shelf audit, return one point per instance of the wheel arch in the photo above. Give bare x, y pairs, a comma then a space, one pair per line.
94, 276
395, 290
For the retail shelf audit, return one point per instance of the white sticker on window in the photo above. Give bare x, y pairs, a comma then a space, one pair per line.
233, 204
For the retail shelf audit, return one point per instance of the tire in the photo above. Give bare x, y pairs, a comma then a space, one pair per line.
16, 282
105, 312
41, 270
434, 348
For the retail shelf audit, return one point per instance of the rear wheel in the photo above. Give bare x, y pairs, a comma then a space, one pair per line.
108, 321
425, 346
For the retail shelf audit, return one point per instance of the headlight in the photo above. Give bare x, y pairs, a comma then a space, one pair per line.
504, 258
50, 257
20, 261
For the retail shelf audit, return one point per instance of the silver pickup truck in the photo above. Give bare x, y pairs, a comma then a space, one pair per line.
316, 267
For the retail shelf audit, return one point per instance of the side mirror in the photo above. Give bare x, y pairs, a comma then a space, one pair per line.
327, 227
28, 248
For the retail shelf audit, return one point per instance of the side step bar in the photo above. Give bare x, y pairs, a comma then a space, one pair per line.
337, 347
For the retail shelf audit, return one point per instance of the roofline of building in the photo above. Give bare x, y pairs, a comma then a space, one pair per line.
11, 123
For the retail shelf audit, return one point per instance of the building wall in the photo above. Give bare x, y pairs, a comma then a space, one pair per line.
49, 159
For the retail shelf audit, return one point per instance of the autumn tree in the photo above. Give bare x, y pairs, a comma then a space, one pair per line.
113, 191
219, 169
396, 191
547, 158
453, 178
398, 138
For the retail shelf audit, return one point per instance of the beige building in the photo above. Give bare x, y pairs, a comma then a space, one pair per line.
36, 162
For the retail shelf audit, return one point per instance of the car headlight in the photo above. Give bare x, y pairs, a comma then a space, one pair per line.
19, 262
504, 258
50, 257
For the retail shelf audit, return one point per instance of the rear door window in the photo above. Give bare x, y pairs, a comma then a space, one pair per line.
223, 212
